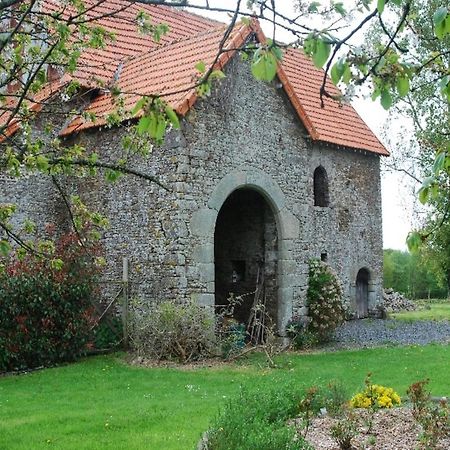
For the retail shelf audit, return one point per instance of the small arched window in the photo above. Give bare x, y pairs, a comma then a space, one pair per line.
321, 195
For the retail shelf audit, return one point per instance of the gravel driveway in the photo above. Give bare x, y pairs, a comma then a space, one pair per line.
376, 332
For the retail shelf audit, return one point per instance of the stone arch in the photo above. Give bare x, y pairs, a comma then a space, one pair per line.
321, 187
203, 224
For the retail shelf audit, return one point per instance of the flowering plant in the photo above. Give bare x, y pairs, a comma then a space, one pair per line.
375, 396
324, 297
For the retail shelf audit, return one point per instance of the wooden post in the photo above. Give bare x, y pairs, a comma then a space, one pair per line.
125, 301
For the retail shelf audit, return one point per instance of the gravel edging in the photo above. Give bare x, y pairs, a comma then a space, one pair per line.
366, 333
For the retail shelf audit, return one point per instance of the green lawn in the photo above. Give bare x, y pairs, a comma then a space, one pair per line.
102, 403
434, 310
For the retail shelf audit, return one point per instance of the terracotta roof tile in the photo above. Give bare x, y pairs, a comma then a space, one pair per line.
168, 68
100, 64
168, 71
34, 105
334, 123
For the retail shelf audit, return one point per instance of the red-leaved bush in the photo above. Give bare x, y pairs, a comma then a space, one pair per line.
46, 312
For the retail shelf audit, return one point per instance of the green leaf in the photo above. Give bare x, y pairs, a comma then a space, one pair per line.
277, 52
321, 53
139, 105
217, 75
402, 86
143, 124
264, 66
5, 247
337, 71
380, 6
439, 15
440, 22
201, 66
428, 181
423, 194
335, 74
440, 30
397, 2
414, 241
111, 175
42, 163
56, 264
439, 163
160, 129
339, 7
153, 125
386, 99
29, 226
445, 87
313, 7
172, 116
347, 76
245, 20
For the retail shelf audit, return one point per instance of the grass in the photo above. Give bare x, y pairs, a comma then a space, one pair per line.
435, 310
103, 403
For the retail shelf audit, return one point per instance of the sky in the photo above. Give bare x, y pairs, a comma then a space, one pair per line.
398, 198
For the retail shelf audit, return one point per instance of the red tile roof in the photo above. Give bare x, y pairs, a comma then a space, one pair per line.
35, 105
168, 71
335, 123
120, 17
169, 68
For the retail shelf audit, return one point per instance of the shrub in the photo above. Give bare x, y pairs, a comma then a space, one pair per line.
324, 299
169, 330
297, 331
258, 420
434, 419
344, 431
45, 312
232, 336
108, 335
335, 398
375, 396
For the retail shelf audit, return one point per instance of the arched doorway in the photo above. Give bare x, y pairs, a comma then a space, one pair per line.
362, 293
245, 255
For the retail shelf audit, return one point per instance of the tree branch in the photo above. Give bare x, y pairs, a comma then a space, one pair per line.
115, 167
69, 209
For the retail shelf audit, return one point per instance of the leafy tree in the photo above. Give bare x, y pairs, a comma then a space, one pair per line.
36, 43
424, 100
414, 275
437, 252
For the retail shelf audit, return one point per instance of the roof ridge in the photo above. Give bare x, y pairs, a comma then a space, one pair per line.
183, 11
169, 44
192, 36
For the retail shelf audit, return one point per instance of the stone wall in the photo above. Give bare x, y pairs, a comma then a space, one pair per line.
245, 135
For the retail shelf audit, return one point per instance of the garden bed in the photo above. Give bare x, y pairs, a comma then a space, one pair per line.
392, 429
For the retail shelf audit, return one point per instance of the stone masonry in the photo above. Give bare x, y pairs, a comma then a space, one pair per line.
245, 136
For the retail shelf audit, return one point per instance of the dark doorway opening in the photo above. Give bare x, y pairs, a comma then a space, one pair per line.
362, 293
245, 254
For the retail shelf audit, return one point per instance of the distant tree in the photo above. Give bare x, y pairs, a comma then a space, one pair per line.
414, 275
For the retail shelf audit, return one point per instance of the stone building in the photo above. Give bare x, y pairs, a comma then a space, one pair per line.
261, 178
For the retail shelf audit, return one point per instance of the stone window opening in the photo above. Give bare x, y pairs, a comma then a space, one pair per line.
324, 256
321, 194
238, 271
362, 293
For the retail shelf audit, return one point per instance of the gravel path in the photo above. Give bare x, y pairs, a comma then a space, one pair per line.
377, 332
